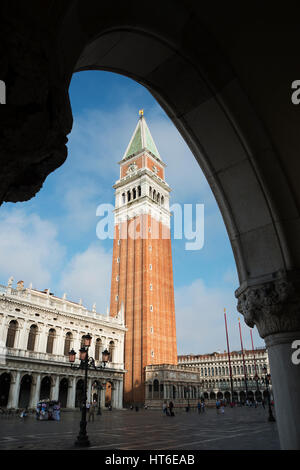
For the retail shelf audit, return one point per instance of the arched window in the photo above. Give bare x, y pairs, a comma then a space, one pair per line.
128, 196
150, 191
82, 342
111, 351
154, 194
97, 349
139, 191
123, 198
50, 341
11, 333
134, 193
31, 337
157, 197
162, 201
68, 340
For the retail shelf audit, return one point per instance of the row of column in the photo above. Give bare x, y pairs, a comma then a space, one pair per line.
35, 389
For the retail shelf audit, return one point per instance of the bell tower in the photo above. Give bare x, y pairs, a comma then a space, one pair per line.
142, 274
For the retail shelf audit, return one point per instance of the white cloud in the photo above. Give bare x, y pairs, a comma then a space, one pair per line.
200, 320
87, 276
29, 249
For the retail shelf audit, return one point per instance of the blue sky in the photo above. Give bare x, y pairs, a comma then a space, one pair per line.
51, 240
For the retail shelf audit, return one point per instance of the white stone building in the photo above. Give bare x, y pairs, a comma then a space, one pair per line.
37, 330
206, 376
214, 373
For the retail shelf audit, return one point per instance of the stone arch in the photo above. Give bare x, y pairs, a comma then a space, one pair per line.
79, 394
33, 332
98, 346
68, 343
25, 390
108, 393
204, 98
5, 381
111, 349
13, 327
50, 341
63, 391
45, 388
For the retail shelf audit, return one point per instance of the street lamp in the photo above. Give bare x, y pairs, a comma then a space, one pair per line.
256, 378
86, 363
267, 381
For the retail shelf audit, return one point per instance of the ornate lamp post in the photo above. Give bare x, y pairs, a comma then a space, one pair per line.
267, 381
256, 378
86, 363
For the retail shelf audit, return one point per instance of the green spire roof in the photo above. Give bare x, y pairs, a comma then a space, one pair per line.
141, 139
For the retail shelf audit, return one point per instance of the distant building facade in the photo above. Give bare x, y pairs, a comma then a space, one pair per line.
37, 331
214, 373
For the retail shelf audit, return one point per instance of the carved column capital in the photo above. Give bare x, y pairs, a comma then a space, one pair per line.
273, 306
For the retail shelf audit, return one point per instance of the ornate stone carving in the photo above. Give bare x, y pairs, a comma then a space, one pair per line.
274, 306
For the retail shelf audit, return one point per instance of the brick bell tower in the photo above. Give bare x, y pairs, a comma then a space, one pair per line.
142, 277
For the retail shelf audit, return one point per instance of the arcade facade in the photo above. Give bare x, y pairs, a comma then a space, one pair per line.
37, 332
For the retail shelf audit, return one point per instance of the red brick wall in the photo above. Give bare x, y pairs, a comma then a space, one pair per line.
133, 288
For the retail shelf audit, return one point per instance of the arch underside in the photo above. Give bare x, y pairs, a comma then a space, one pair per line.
216, 78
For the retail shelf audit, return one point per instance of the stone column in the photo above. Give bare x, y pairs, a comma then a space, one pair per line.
274, 307
14, 390
54, 387
114, 393
35, 390
120, 404
71, 392
103, 395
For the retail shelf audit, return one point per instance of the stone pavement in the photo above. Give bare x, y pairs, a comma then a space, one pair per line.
238, 429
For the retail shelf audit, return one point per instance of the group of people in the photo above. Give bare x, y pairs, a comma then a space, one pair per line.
48, 410
220, 407
201, 406
168, 410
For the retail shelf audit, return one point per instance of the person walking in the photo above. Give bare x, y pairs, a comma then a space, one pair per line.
92, 411
199, 407
171, 407
203, 406
165, 408
218, 404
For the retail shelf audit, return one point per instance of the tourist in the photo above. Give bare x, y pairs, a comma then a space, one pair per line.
218, 404
203, 406
165, 408
92, 411
199, 407
171, 407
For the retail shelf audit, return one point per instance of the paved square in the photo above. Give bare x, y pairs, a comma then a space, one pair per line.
239, 428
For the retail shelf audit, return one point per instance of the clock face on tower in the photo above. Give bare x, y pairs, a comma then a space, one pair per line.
132, 168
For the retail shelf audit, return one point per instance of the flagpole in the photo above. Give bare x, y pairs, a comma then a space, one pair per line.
245, 372
230, 371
